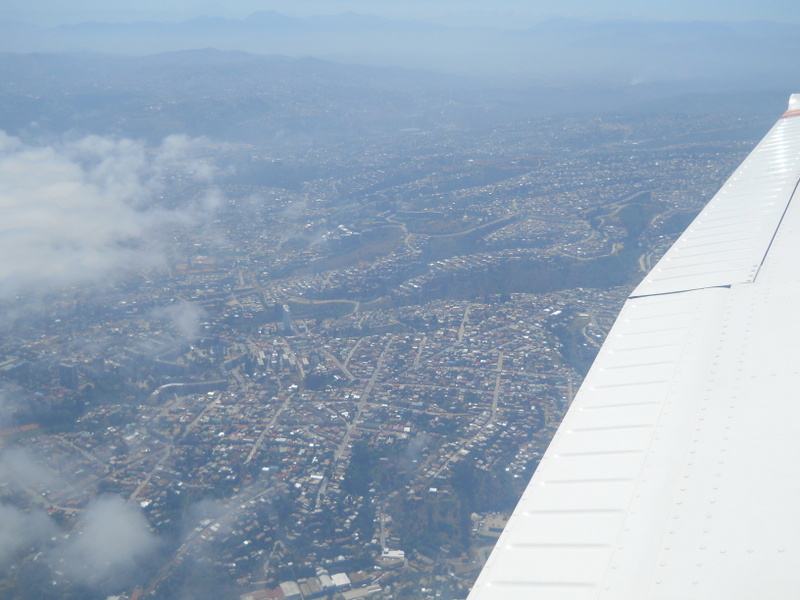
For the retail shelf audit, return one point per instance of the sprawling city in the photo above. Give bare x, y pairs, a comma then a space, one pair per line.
329, 372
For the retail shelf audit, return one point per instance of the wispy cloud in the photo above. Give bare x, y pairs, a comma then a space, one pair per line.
8, 405
20, 531
17, 466
81, 211
183, 317
111, 543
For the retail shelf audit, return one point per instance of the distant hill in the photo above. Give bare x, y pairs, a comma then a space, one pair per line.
559, 51
228, 95
235, 96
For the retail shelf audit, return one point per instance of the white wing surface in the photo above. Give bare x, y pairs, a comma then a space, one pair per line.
675, 473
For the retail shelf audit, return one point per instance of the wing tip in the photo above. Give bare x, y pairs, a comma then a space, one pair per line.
794, 105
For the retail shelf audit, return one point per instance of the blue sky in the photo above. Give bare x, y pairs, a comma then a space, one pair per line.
453, 12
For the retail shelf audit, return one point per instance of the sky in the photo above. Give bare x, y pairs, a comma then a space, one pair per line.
508, 13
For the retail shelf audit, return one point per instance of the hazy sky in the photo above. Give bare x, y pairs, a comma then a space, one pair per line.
455, 12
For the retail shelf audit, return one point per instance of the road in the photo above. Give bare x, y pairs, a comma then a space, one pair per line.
267, 427
168, 450
363, 400
464, 322
340, 365
492, 418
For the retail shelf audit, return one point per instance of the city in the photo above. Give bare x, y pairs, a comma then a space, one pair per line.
339, 386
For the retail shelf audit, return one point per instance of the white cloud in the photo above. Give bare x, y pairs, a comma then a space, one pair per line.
7, 409
20, 530
80, 211
19, 467
184, 317
110, 544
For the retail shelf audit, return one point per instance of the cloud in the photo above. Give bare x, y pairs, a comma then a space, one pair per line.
416, 446
414, 452
19, 467
7, 408
20, 531
184, 317
81, 211
111, 544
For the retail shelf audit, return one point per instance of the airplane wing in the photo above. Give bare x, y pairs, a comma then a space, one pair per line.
673, 473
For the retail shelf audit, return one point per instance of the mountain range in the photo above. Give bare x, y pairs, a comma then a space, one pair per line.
722, 56
235, 96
